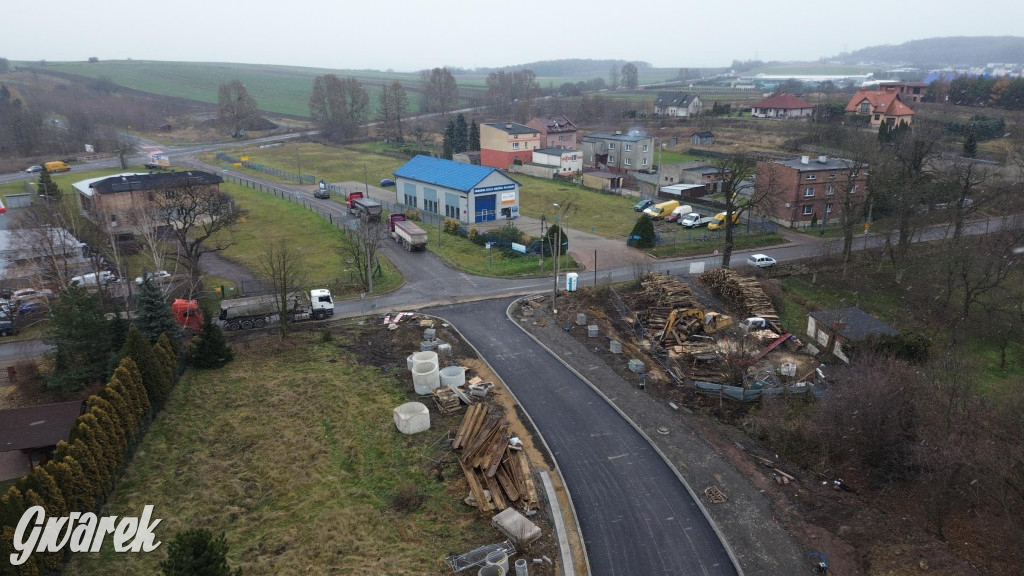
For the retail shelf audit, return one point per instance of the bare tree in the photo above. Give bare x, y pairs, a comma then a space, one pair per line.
904, 177
362, 249
199, 217
859, 149
629, 76
338, 106
284, 267
391, 105
985, 264
48, 234
740, 194
236, 108
440, 93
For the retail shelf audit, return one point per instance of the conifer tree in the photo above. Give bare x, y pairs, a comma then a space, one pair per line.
138, 348
92, 474
116, 432
448, 141
153, 316
198, 552
48, 562
129, 376
29, 568
210, 349
644, 228
63, 477
85, 500
125, 412
460, 134
168, 358
99, 449
48, 189
12, 507
80, 335
970, 145
42, 483
474, 135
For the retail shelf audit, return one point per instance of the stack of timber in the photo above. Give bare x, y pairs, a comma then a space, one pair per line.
744, 295
667, 306
490, 465
446, 400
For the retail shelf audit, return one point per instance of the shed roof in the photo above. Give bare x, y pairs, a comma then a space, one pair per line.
673, 99
704, 134
37, 426
556, 151
447, 173
853, 323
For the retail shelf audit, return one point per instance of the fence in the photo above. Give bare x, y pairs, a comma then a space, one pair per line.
290, 176
683, 235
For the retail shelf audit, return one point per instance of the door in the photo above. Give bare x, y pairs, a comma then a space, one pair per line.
484, 208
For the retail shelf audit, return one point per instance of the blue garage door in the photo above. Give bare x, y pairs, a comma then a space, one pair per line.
484, 208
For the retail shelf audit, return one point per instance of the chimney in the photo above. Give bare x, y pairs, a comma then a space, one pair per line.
805, 159
618, 132
823, 159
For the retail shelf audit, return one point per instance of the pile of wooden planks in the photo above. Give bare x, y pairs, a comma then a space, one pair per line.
667, 309
488, 463
662, 290
743, 295
446, 400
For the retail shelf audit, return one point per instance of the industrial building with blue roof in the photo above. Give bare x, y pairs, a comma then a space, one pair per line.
465, 192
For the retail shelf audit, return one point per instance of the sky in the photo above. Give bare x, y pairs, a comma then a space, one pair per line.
408, 35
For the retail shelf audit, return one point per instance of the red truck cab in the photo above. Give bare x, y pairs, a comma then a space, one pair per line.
188, 315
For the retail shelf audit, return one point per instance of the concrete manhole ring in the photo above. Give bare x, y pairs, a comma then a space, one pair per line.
663, 430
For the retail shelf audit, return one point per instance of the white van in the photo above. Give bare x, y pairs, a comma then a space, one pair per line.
91, 279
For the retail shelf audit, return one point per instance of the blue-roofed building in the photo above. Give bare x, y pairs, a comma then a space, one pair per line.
456, 190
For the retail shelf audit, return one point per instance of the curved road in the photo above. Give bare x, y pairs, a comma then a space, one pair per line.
635, 514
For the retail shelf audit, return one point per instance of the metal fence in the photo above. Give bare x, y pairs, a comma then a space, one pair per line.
290, 176
702, 234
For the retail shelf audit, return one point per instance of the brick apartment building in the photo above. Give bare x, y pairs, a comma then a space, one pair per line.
807, 189
501, 144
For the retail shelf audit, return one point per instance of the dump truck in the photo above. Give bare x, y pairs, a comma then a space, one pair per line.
407, 233
258, 311
351, 197
367, 209
188, 315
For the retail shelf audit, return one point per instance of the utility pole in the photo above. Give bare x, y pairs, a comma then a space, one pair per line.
558, 250
366, 181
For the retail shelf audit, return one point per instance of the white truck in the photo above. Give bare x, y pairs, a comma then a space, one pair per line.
407, 233
693, 220
157, 162
258, 311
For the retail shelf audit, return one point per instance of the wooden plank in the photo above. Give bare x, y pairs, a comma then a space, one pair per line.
484, 456
475, 488
480, 442
466, 422
496, 495
495, 456
531, 488
507, 483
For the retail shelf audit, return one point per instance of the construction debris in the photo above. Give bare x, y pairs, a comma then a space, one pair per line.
498, 475
742, 295
446, 400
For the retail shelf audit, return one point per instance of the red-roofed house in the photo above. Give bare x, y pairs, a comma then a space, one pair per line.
782, 106
882, 105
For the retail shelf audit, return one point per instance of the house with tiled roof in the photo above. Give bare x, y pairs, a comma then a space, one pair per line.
782, 106
503, 143
555, 131
677, 104
882, 105
456, 190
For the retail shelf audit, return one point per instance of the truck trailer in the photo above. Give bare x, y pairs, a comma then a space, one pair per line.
407, 233
367, 209
258, 311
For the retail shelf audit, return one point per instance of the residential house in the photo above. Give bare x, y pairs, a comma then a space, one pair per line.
555, 131
910, 92
704, 138
882, 105
502, 144
804, 190
834, 330
456, 190
677, 105
618, 152
35, 431
782, 106
117, 203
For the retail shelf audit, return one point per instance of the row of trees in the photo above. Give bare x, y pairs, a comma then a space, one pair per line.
1002, 92
458, 137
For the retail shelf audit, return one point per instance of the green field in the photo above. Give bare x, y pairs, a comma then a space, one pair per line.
302, 467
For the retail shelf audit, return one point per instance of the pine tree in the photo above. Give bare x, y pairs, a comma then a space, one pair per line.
115, 429
198, 552
643, 232
154, 378
48, 189
970, 145
210, 349
62, 475
460, 135
448, 141
171, 353
883, 132
81, 336
474, 135
154, 316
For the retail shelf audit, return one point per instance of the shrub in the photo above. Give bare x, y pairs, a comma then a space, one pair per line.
643, 232
510, 232
475, 236
452, 226
412, 214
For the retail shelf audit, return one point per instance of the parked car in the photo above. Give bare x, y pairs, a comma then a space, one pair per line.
93, 279
322, 193
387, 182
155, 276
761, 261
643, 205
30, 308
30, 294
34, 168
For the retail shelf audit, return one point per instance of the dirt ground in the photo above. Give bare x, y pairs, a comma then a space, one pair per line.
388, 349
864, 532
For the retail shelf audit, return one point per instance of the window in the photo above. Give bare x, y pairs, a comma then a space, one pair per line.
644, 148
611, 145
430, 206
611, 158
830, 190
629, 161
629, 147
828, 208
865, 108
877, 116
812, 177
808, 210
561, 138
809, 193
853, 189
515, 135
515, 145
451, 211
643, 161
573, 157
410, 200
832, 176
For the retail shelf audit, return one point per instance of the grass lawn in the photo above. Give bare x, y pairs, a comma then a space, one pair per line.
603, 214
271, 219
299, 466
686, 247
464, 255
330, 163
670, 157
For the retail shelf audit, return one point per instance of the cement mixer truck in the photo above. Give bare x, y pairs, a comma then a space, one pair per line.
258, 311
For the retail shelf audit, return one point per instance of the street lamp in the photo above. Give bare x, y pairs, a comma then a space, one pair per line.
543, 227
558, 246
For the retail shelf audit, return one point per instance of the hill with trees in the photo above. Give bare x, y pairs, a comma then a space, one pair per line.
947, 51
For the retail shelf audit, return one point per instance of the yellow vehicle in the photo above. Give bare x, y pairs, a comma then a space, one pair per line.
56, 166
662, 210
718, 222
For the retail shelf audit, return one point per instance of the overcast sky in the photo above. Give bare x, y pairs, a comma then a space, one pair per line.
409, 35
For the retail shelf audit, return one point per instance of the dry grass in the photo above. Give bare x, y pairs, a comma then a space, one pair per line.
292, 451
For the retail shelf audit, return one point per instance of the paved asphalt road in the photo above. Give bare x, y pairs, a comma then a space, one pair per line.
636, 516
